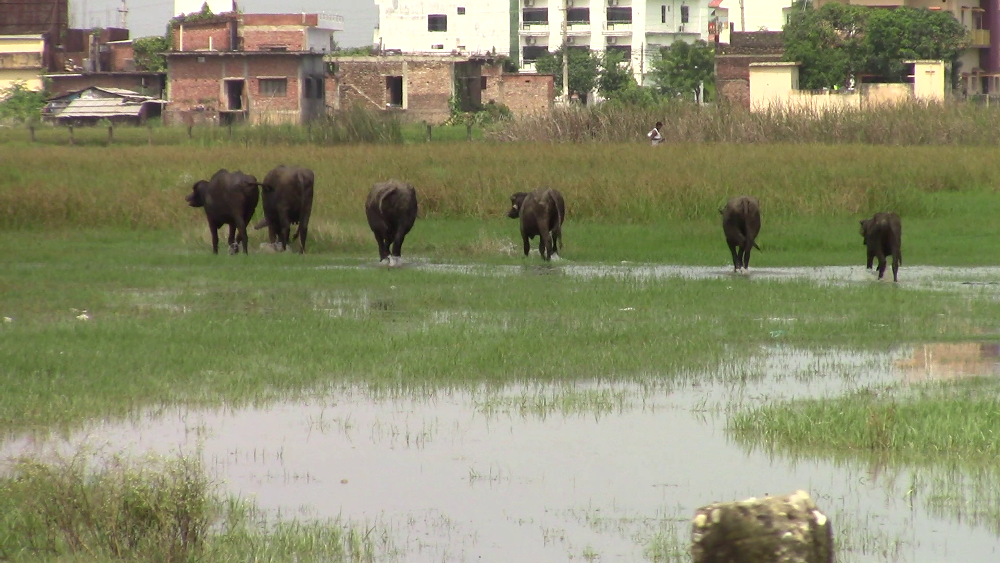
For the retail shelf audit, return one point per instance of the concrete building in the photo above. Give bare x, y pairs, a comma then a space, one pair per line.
420, 87
980, 63
776, 85
745, 16
22, 60
525, 29
261, 68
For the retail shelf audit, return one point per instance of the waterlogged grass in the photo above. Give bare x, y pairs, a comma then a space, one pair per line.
953, 423
154, 509
169, 324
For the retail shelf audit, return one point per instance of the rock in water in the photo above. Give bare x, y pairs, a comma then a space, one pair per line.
785, 529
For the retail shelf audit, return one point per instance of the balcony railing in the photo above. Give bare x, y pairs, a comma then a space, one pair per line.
535, 28
980, 38
617, 27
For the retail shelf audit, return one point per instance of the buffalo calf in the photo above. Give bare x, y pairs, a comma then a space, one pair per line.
542, 213
229, 198
391, 208
883, 236
287, 197
741, 225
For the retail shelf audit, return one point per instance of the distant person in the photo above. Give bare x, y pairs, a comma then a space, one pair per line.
654, 135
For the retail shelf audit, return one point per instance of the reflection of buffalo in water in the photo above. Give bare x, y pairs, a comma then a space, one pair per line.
542, 213
741, 224
883, 235
391, 208
229, 198
287, 195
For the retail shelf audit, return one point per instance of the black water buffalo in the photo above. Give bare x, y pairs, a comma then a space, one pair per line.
883, 235
741, 224
287, 196
391, 208
542, 213
229, 198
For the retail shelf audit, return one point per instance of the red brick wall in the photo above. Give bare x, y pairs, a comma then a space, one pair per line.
122, 57
429, 87
528, 94
255, 38
363, 82
494, 76
280, 19
61, 84
196, 36
199, 86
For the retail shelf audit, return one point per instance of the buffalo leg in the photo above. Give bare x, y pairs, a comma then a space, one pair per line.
895, 267
737, 261
527, 243
303, 230
241, 227
285, 230
215, 237
397, 242
746, 257
545, 245
383, 247
881, 265
871, 258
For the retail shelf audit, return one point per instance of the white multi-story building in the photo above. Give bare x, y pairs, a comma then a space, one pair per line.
525, 29
182, 7
750, 15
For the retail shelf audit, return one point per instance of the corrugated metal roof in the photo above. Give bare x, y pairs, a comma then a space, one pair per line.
102, 107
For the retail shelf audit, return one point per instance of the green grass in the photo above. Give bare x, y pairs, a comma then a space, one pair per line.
152, 509
171, 323
954, 423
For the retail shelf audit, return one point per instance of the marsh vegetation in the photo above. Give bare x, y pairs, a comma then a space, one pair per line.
549, 398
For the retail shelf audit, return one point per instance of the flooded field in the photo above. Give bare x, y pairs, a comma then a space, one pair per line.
562, 472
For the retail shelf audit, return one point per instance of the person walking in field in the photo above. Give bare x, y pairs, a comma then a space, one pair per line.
654, 135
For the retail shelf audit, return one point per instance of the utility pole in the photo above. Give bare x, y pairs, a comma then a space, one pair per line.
565, 50
123, 11
743, 21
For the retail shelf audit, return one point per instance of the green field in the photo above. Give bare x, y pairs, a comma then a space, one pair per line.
105, 233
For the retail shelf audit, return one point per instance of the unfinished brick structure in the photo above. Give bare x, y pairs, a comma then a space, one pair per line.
420, 87
732, 62
261, 68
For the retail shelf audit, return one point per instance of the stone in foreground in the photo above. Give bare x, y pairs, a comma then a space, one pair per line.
785, 529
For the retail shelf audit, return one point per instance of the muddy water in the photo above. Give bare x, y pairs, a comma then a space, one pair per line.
555, 473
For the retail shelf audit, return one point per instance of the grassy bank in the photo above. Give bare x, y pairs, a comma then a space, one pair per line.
150, 510
143, 187
170, 323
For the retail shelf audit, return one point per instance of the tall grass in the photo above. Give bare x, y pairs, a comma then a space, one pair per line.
144, 187
915, 123
97, 508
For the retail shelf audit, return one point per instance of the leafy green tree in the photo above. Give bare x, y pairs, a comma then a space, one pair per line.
829, 43
148, 53
584, 68
904, 34
614, 77
683, 67
19, 104
838, 41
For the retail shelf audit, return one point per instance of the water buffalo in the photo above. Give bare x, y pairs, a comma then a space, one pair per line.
542, 213
883, 235
229, 198
287, 196
391, 208
741, 224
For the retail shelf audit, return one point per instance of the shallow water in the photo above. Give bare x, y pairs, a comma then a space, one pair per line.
560, 472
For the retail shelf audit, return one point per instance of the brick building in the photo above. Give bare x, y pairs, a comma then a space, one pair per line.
261, 68
421, 87
732, 62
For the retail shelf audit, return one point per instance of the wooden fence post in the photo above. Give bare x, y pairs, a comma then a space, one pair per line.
468, 131
111, 134
71, 141
190, 127
428, 132
31, 128
150, 128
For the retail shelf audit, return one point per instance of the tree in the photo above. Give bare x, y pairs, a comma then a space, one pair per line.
683, 67
583, 69
614, 77
19, 104
148, 53
838, 42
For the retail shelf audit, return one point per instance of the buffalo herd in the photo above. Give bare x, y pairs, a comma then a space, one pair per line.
230, 198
